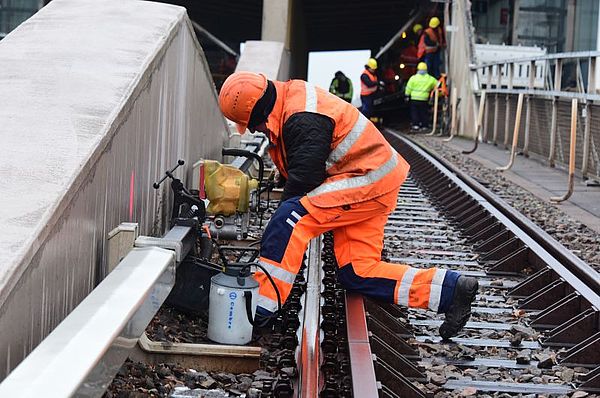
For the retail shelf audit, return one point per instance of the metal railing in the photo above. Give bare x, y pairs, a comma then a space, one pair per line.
551, 124
82, 355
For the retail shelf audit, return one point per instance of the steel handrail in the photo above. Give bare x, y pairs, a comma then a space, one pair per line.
547, 57
85, 351
548, 94
573, 143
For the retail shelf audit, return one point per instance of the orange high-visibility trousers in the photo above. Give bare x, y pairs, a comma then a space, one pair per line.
358, 240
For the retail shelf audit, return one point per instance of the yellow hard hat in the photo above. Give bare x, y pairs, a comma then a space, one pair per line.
372, 63
434, 22
422, 66
417, 27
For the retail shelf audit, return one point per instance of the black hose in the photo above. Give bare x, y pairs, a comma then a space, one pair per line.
247, 154
267, 319
248, 298
221, 254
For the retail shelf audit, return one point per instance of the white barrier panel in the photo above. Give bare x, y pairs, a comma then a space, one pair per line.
97, 99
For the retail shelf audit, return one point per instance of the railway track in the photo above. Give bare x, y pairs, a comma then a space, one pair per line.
534, 330
535, 327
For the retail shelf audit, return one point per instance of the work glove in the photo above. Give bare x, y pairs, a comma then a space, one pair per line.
279, 180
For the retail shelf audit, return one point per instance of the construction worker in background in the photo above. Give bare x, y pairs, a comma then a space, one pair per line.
341, 86
408, 56
418, 30
431, 42
368, 87
341, 176
418, 89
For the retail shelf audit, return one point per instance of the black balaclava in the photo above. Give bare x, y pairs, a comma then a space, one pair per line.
263, 107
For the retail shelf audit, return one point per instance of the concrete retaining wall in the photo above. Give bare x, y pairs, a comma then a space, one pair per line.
97, 100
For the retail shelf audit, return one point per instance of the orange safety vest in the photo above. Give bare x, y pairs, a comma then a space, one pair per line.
364, 90
361, 166
434, 35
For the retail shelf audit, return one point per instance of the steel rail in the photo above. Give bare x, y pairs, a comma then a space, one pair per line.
364, 381
309, 349
389, 325
213, 38
569, 267
82, 355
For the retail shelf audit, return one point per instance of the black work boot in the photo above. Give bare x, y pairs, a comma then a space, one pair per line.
460, 309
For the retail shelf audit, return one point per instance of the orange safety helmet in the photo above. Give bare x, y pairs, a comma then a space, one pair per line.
239, 93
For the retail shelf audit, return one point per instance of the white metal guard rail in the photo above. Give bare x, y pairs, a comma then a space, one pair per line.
85, 351
556, 96
82, 355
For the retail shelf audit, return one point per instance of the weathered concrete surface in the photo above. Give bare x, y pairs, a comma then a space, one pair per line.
267, 57
97, 99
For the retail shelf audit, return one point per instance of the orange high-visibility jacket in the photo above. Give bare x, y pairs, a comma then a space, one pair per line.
361, 166
364, 89
435, 35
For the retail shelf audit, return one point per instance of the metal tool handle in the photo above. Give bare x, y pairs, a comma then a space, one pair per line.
168, 174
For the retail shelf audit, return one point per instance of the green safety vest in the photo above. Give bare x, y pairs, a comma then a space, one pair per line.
333, 88
419, 86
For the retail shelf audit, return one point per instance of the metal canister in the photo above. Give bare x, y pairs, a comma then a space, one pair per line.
228, 321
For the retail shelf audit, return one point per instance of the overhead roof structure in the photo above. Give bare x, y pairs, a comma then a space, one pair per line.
330, 25
232, 21
353, 24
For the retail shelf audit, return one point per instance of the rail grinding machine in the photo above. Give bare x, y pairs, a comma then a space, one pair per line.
219, 207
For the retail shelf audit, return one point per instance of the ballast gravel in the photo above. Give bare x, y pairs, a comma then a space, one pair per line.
575, 236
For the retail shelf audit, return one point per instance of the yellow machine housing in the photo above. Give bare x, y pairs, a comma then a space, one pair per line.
227, 188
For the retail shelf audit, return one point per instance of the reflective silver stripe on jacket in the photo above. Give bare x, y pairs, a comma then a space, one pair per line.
266, 303
405, 284
435, 293
368, 89
278, 272
311, 98
360, 181
343, 147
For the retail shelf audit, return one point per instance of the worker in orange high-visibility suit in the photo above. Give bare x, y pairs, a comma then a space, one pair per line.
431, 42
369, 84
342, 176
